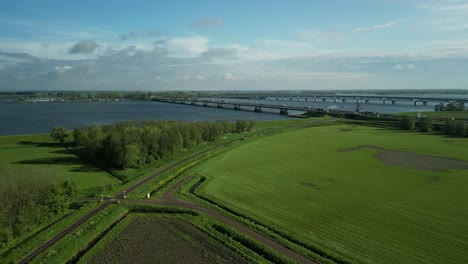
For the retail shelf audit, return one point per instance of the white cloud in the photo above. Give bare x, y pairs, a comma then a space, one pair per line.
200, 77
231, 77
379, 26
63, 69
187, 47
408, 67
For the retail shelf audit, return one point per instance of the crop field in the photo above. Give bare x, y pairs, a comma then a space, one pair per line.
163, 240
38, 154
359, 194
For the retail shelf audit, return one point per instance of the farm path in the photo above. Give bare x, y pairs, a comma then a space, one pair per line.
29, 257
170, 199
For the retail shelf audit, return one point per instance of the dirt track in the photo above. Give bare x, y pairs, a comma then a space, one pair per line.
169, 199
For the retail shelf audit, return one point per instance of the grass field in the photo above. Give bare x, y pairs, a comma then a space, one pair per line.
366, 204
32, 153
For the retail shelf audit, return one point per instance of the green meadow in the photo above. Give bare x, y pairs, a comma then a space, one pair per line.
26, 155
352, 205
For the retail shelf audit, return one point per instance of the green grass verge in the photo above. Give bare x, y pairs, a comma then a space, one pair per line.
43, 233
349, 205
33, 153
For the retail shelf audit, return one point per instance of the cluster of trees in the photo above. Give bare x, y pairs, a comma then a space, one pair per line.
132, 144
423, 124
451, 127
450, 107
30, 200
455, 128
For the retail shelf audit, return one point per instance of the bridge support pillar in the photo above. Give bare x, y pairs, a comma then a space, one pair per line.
366, 101
384, 101
343, 100
334, 100
393, 102
205, 104
258, 109
315, 99
358, 101
425, 103
284, 111
324, 100
415, 103
237, 107
306, 99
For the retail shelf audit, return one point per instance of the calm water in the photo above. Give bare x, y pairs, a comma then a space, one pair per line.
41, 117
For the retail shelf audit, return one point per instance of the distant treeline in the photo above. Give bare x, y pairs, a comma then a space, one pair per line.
30, 200
132, 144
424, 124
449, 107
92, 95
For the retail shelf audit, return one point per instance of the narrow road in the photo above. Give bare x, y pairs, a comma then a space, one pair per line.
70, 228
173, 200
170, 199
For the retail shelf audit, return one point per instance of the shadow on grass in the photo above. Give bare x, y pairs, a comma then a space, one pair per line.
51, 161
40, 144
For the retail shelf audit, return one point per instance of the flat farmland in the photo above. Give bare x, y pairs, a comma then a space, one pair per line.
29, 155
359, 194
163, 240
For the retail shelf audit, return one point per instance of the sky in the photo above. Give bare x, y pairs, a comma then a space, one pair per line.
233, 45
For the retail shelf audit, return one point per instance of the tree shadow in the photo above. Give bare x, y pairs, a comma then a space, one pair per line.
51, 161
40, 144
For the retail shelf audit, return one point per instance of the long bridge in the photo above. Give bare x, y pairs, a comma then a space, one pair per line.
385, 99
283, 109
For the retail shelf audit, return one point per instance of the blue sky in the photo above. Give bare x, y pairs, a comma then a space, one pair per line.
226, 45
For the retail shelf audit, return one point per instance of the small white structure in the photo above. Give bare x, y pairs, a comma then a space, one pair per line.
148, 195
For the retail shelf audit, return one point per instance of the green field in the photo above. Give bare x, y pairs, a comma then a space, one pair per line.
351, 204
30, 154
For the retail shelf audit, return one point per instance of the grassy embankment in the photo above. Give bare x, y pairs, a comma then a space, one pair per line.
349, 205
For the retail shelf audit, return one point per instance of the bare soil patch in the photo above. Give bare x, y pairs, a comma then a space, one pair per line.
413, 160
164, 240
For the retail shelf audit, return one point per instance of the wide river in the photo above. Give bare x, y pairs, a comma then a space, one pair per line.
28, 118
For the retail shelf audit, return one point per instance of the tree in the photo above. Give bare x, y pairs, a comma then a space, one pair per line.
59, 133
425, 124
408, 123
449, 127
439, 107
460, 128
132, 156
